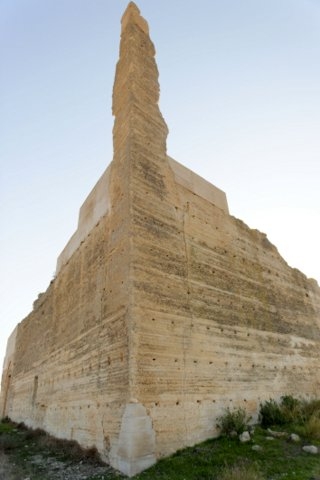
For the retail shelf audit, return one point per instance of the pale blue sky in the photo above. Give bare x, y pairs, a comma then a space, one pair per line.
240, 92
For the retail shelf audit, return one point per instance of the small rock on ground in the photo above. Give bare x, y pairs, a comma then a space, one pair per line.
277, 434
257, 448
244, 437
310, 449
294, 438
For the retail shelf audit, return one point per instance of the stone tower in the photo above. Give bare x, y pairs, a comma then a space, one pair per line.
165, 309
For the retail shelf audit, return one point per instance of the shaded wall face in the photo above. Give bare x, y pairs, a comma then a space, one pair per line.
223, 321
6, 380
70, 374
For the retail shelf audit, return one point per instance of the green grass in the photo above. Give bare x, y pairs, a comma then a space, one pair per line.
216, 459
242, 470
211, 460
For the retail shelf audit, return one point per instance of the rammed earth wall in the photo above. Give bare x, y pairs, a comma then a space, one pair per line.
165, 309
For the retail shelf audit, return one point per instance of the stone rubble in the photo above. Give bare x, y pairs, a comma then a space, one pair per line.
244, 437
310, 449
294, 438
277, 434
59, 470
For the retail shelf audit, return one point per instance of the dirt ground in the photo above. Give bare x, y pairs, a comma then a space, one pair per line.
9, 471
52, 469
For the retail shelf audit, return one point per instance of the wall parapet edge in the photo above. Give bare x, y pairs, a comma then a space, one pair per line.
97, 203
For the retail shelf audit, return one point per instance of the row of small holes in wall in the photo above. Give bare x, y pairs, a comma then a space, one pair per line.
88, 406
256, 248
156, 404
235, 332
196, 362
222, 251
222, 330
80, 407
208, 328
253, 365
178, 402
78, 373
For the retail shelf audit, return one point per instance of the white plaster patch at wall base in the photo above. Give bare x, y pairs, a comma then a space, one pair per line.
137, 440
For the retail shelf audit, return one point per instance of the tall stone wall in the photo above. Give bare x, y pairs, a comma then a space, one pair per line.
229, 324
165, 309
70, 374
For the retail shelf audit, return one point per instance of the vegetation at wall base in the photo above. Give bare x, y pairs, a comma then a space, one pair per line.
224, 458
233, 421
301, 413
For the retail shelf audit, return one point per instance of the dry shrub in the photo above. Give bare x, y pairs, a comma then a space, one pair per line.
311, 408
235, 420
288, 410
22, 426
311, 428
33, 434
292, 409
6, 420
303, 415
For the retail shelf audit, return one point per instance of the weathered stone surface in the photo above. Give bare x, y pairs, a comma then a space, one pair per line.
165, 308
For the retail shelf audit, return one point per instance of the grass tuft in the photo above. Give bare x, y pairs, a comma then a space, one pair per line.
311, 428
241, 471
233, 421
271, 414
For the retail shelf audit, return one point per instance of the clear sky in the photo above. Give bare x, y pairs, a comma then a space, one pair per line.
240, 92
